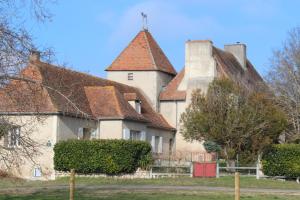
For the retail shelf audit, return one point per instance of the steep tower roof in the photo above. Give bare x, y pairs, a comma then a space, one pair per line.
142, 54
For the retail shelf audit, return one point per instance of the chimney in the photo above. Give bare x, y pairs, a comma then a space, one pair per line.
239, 52
200, 67
34, 56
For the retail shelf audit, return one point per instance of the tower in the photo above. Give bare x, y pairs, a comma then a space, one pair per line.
144, 65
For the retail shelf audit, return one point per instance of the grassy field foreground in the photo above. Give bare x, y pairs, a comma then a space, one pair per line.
48, 190
228, 181
176, 195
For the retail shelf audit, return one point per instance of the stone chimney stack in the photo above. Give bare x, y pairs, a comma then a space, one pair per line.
34, 56
239, 52
200, 66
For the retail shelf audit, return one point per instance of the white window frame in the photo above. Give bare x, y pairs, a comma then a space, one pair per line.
138, 106
157, 144
37, 172
126, 134
135, 135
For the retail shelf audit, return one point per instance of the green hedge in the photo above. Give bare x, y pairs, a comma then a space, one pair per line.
282, 160
102, 156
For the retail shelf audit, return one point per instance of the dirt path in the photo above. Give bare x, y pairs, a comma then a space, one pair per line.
148, 188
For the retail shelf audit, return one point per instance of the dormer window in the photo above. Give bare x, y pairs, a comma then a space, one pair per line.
138, 106
130, 76
134, 101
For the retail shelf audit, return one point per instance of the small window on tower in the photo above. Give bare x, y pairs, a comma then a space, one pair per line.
130, 76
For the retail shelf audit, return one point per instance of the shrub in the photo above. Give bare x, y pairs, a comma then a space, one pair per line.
101, 156
211, 146
282, 160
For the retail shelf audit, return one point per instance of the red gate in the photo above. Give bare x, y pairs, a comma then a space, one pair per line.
204, 169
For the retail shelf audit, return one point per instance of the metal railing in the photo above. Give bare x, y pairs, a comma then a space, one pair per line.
242, 170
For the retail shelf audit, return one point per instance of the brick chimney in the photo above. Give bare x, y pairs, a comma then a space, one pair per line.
34, 56
239, 52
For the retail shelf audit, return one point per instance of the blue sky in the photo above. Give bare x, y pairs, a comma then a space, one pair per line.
89, 34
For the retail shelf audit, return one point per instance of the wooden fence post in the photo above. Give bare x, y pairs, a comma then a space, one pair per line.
237, 185
72, 184
217, 166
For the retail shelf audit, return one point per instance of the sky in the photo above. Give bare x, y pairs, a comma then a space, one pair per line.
89, 34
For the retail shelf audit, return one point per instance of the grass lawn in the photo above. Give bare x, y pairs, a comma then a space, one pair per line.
92, 194
246, 182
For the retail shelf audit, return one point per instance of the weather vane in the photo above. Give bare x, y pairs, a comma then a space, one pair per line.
145, 22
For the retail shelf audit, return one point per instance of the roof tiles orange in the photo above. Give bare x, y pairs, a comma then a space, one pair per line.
142, 54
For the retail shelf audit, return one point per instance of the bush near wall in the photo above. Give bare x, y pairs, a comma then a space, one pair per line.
282, 160
102, 156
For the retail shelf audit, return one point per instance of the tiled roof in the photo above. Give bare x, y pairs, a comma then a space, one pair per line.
107, 103
171, 91
227, 66
142, 54
130, 96
74, 93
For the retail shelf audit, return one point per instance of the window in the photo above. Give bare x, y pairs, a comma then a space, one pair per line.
84, 133
138, 107
37, 172
157, 144
13, 137
135, 135
130, 76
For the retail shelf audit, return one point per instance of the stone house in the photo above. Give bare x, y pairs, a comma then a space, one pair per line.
141, 99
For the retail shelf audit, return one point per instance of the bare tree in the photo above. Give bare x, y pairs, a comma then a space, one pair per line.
284, 80
15, 47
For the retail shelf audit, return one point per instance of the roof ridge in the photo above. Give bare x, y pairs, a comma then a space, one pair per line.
83, 73
157, 67
143, 53
150, 50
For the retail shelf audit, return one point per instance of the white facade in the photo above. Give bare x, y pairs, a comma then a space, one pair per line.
54, 128
149, 82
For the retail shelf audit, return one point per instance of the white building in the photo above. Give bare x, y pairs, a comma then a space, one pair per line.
142, 99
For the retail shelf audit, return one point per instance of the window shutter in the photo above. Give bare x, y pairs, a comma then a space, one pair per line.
17, 136
143, 135
80, 133
94, 134
9, 139
126, 134
6, 140
153, 143
160, 145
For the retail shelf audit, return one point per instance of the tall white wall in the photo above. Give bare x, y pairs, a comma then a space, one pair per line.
200, 70
40, 131
149, 82
172, 111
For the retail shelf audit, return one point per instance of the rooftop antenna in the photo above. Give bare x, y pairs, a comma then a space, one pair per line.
145, 21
